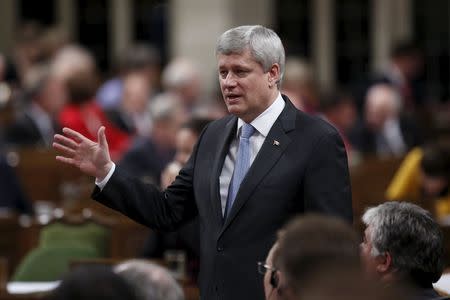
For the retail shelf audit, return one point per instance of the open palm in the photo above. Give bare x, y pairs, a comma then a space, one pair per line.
90, 157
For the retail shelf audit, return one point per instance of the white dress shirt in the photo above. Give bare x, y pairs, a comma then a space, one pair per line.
263, 123
390, 140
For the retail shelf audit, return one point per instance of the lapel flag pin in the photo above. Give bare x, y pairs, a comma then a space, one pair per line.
276, 143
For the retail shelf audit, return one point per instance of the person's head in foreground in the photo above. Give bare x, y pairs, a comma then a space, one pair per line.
150, 281
402, 243
94, 282
309, 243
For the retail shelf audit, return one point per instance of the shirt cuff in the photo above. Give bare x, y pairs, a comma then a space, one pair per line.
101, 184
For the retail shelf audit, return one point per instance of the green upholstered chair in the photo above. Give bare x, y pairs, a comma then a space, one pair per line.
59, 244
50, 263
89, 233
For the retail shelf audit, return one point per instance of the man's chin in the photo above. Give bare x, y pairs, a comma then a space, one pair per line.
234, 109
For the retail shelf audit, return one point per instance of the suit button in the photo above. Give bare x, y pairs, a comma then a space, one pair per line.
219, 248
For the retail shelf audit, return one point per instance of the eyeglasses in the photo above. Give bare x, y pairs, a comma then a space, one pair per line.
263, 268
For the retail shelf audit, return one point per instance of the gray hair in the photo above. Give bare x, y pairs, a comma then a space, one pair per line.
150, 281
178, 73
410, 235
263, 43
165, 106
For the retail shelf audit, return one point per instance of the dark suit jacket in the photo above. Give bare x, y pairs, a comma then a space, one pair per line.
306, 172
145, 160
363, 138
24, 132
121, 120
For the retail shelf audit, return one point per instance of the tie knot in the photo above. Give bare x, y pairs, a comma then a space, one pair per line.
247, 131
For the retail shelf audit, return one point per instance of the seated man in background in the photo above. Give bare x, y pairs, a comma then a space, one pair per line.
384, 131
403, 244
423, 178
309, 244
44, 98
148, 155
150, 281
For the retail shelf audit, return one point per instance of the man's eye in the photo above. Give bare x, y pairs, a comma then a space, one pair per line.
223, 74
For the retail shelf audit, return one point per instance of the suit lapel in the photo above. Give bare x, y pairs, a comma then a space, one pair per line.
219, 158
273, 147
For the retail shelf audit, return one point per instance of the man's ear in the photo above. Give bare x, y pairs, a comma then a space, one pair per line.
274, 74
384, 262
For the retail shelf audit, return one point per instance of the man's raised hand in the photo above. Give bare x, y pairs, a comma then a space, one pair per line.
77, 150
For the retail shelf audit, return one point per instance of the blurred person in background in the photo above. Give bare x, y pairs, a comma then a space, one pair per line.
403, 245
132, 115
182, 78
70, 60
403, 73
27, 50
423, 178
44, 97
148, 155
150, 281
186, 139
84, 115
52, 40
340, 111
139, 59
300, 85
384, 131
187, 237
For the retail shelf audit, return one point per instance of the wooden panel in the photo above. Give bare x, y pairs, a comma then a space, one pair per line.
45, 179
369, 181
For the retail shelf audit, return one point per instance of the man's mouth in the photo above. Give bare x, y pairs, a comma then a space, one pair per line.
232, 97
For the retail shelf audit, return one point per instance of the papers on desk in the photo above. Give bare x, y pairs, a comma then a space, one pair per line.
19, 287
443, 284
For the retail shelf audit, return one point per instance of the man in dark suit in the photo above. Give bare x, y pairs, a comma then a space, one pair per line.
295, 162
384, 131
45, 96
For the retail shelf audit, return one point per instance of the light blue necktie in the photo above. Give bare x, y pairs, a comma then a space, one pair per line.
241, 166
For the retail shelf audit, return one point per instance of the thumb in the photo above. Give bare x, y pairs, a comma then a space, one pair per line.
102, 137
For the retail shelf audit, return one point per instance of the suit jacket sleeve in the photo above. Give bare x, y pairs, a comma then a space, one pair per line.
327, 183
146, 204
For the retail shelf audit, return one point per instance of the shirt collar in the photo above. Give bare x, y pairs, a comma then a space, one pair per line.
267, 118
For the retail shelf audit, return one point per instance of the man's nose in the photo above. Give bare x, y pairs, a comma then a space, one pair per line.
230, 80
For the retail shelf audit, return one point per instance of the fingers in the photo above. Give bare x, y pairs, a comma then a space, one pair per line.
101, 137
66, 150
66, 160
60, 139
74, 134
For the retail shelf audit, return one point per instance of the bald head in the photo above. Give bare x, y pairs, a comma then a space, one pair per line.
382, 104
